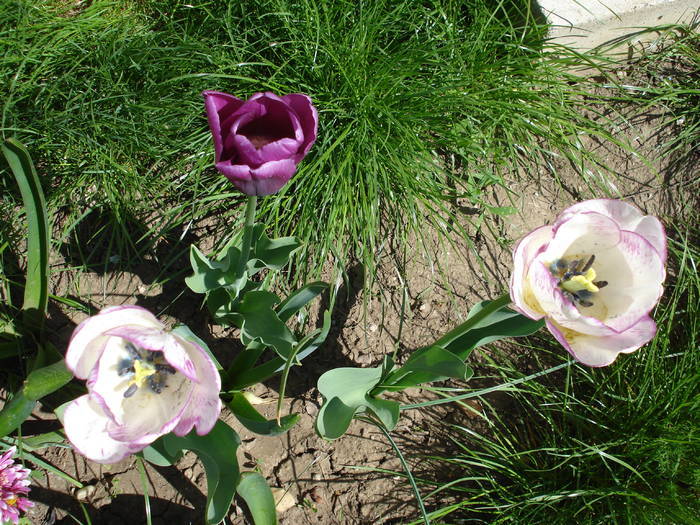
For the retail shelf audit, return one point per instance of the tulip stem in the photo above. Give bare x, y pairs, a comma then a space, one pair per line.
247, 232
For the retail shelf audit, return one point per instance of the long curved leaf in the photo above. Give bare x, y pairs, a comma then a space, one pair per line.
257, 494
36, 292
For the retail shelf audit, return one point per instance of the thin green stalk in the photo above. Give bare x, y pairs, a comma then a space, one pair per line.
144, 481
251, 204
405, 466
485, 391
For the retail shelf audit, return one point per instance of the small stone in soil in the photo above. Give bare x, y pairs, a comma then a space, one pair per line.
85, 493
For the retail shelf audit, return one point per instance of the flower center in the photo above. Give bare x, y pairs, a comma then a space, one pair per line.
144, 368
576, 277
11, 501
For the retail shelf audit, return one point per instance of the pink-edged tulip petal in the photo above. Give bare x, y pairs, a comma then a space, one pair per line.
629, 218
634, 294
582, 233
551, 299
86, 428
600, 351
259, 142
88, 339
205, 406
147, 415
520, 290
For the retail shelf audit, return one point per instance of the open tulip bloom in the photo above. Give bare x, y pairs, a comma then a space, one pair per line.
142, 381
259, 142
594, 275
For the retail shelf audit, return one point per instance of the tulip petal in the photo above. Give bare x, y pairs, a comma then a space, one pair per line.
653, 231
88, 339
525, 252
603, 350
636, 273
271, 176
147, 415
145, 412
582, 234
86, 428
308, 116
219, 106
204, 406
283, 148
628, 217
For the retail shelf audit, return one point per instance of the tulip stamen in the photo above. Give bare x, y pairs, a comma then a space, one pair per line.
144, 367
576, 279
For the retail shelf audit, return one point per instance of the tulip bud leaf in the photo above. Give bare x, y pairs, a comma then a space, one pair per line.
346, 392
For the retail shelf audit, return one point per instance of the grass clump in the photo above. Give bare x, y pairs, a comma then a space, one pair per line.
612, 445
420, 103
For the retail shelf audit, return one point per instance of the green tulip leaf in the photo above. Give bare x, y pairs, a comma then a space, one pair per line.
346, 392
255, 421
217, 452
261, 323
498, 325
274, 366
184, 331
258, 497
45, 380
211, 275
300, 298
223, 307
48, 439
36, 291
158, 454
271, 253
433, 363
15, 412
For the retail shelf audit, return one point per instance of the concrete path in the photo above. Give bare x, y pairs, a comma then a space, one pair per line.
586, 24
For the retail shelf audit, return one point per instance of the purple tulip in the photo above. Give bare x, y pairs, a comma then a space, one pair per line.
594, 275
14, 486
259, 142
142, 381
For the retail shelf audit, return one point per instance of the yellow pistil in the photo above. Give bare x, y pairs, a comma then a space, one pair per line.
581, 282
142, 371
